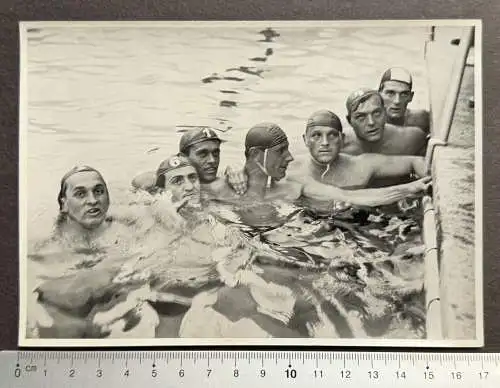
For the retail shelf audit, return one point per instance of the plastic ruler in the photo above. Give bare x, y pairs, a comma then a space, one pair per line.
247, 369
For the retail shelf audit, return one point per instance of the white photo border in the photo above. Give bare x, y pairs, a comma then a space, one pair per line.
267, 342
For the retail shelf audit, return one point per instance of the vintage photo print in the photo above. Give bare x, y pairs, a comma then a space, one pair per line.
251, 183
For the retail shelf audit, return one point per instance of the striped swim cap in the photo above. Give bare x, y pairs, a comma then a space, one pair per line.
398, 74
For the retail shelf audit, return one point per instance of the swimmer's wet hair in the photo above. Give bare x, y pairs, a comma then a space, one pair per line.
73, 171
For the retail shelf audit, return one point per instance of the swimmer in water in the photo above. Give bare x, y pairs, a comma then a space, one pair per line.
83, 221
74, 267
396, 90
324, 138
267, 160
373, 134
178, 175
202, 147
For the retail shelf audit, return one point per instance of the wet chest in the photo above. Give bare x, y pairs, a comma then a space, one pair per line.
352, 177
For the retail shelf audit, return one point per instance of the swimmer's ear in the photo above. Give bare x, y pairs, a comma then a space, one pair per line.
411, 96
253, 152
304, 137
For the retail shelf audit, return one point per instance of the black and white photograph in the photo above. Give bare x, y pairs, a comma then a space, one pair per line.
251, 183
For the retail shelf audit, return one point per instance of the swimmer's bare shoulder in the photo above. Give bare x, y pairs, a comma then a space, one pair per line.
288, 189
416, 139
299, 166
419, 118
351, 144
404, 140
218, 189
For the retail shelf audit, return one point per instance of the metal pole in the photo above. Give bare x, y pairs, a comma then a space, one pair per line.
443, 131
434, 325
434, 319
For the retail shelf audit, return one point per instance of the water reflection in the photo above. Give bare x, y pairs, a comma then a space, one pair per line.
272, 266
269, 36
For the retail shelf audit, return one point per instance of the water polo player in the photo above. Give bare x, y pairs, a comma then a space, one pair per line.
201, 146
396, 89
83, 199
372, 134
324, 139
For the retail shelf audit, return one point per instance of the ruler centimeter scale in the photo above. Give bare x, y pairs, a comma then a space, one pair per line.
247, 369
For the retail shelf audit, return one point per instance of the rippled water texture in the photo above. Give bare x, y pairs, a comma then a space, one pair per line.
112, 97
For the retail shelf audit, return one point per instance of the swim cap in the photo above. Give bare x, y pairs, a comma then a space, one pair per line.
264, 135
172, 163
73, 171
324, 118
197, 135
396, 74
357, 97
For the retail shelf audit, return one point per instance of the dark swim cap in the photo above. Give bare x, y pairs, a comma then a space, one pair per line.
359, 96
197, 135
324, 118
264, 135
73, 171
172, 163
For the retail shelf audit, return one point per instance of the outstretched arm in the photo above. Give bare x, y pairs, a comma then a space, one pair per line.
393, 166
363, 197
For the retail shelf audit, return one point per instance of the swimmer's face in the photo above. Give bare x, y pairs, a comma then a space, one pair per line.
86, 199
278, 158
324, 143
396, 95
368, 120
205, 157
184, 184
